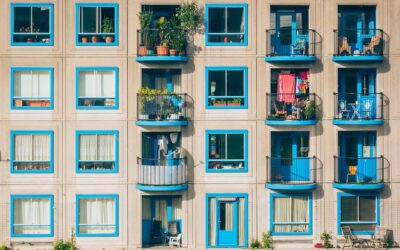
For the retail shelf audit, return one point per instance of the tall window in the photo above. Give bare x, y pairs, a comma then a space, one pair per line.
32, 88
32, 216
32, 24
97, 88
97, 24
226, 151
226, 24
97, 215
31, 152
226, 87
97, 151
291, 214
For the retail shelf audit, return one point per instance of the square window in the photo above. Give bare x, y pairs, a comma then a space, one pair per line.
31, 24
97, 25
226, 24
97, 88
32, 88
226, 88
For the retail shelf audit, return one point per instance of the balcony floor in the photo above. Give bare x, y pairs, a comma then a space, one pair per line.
291, 187
161, 123
294, 58
358, 122
162, 188
353, 186
359, 58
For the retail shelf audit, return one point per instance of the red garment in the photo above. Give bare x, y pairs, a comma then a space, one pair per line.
304, 75
286, 87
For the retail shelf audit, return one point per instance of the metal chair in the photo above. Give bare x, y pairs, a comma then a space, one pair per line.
379, 237
352, 240
352, 172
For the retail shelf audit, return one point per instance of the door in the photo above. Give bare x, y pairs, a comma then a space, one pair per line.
285, 32
227, 218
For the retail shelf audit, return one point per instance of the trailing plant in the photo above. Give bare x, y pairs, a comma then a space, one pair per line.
190, 17
310, 108
266, 240
107, 25
326, 239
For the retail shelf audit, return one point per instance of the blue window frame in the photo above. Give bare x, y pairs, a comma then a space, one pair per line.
97, 151
226, 151
297, 220
361, 212
226, 24
32, 24
226, 87
35, 224
31, 151
97, 24
97, 215
226, 220
97, 87
32, 88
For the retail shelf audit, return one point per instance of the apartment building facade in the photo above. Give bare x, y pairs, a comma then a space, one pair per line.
279, 116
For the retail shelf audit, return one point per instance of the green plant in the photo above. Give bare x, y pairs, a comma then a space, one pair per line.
326, 239
310, 109
254, 244
67, 245
266, 240
176, 37
3, 247
145, 22
107, 25
164, 30
190, 17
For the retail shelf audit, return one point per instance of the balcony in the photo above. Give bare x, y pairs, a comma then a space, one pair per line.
291, 173
291, 109
359, 173
162, 174
358, 109
358, 45
168, 109
291, 45
155, 45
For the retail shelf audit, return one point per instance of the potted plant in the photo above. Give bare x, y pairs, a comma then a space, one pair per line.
145, 21
107, 27
235, 102
94, 39
145, 94
163, 33
310, 110
178, 42
219, 102
326, 240
84, 39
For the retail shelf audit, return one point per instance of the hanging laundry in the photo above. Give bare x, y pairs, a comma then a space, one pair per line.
286, 87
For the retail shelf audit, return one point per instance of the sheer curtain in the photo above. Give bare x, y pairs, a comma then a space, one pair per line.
32, 216
282, 213
241, 222
291, 209
177, 208
97, 83
32, 147
97, 215
212, 234
88, 147
32, 84
161, 212
300, 213
97, 147
161, 82
176, 82
106, 145
228, 215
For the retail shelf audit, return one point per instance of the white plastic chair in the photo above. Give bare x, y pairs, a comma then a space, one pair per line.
175, 241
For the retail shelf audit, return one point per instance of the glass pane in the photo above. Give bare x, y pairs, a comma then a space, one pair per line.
99, 213
222, 216
235, 83
216, 20
88, 20
302, 146
217, 146
361, 227
226, 216
285, 29
286, 147
22, 19
349, 208
367, 208
235, 143
216, 83
351, 153
350, 23
41, 19
235, 23
107, 16
351, 89
368, 146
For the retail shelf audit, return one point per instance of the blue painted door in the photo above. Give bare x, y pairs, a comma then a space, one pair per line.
227, 223
285, 32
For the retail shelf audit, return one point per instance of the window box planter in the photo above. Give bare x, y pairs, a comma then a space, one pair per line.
38, 103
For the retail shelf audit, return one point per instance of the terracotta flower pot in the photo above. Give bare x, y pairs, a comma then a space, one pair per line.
142, 51
173, 52
109, 39
84, 39
29, 39
94, 39
162, 50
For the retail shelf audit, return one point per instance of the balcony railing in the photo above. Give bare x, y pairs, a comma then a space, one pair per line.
289, 107
353, 106
291, 42
359, 170
291, 171
156, 42
162, 107
162, 172
358, 42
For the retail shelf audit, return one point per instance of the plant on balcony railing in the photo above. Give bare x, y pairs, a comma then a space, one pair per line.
291, 106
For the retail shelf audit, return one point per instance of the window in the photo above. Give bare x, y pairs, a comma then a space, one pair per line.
97, 151
291, 214
32, 24
32, 216
358, 211
97, 215
32, 88
226, 24
226, 88
97, 88
31, 152
97, 24
226, 151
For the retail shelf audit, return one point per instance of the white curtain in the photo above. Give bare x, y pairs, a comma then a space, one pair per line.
212, 234
161, 82
290, 209
176, 82
161, 212
97, 215
33, 212
241, 221
97, 83
228, 216
32, 147
29, 83
97, 147
146, 208
177, 208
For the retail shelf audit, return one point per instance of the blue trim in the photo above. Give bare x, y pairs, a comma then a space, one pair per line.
31, 132
51, 24
290, 122
14, 69
358, 122
228, 195
94, 196
310, 214
339, 212
291, 187
13, 197
245, 146
245, 32
79, 69
358, 58
97, 132
346, 186
161, 59
162, 123
162, 188
294, 58
245, 86
116, 24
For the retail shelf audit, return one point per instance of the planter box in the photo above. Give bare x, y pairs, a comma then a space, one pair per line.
234, 104
18, 103
38, 103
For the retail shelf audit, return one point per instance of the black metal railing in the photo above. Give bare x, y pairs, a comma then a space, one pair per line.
299, 170
159, 107
162, 172
358, 42
354, 106
290, 42
158, 42
291, 106
359, 170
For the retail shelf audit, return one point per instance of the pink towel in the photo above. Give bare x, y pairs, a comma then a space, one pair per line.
286, 87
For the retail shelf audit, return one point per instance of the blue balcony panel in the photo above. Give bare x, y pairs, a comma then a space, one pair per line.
161, 59
290, 58
359, 187
290, 122
162, 123
156, 188
358, 122
359, 58
291, 187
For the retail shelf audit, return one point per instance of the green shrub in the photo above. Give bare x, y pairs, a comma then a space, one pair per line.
266, 240
326, 239
254, 244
